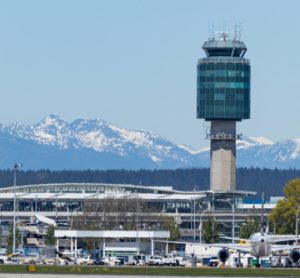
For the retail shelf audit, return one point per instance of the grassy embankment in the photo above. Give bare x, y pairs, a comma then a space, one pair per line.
159, 271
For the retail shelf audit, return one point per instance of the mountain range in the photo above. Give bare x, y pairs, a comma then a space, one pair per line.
56, 144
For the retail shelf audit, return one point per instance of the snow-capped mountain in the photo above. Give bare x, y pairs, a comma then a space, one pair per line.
56, 144
284, 154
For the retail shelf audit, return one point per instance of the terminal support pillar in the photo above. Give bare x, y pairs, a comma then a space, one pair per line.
75, 255
152, 247
167, 248
57, 246
103, 248
223, 155
72, 246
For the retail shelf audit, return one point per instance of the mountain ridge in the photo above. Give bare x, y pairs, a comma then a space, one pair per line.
56, 144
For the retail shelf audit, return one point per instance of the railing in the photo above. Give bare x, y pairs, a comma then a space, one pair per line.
225, 60
224, 136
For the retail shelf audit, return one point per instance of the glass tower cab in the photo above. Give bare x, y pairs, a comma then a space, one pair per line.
223, 80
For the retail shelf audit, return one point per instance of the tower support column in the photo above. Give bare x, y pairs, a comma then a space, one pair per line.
223, 155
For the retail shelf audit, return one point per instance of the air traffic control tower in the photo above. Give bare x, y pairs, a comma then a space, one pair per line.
223, 98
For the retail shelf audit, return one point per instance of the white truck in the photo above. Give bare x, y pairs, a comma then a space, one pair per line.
169, 260
155, 260
137, 260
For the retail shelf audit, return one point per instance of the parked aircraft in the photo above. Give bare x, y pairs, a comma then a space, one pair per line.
260, 245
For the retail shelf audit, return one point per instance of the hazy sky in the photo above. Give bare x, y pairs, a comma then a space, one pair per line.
133, 63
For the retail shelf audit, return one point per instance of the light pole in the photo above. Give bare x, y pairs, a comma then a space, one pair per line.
16, 167
194, 215
56, 207
137, 224
297, 224
233, 220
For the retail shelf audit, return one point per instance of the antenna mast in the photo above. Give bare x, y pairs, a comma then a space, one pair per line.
237, 32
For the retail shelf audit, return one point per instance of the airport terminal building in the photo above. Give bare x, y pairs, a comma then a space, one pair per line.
63, 201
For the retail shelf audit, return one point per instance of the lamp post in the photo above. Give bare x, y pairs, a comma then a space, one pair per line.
194, 215
297, 222
137, 223
233, 220
16, 167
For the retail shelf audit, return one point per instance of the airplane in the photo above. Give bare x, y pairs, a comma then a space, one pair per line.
259, 244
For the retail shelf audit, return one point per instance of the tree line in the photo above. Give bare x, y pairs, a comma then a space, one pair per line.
270, 181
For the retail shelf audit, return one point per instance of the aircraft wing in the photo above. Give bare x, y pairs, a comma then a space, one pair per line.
276, 248
238, 247
281, 238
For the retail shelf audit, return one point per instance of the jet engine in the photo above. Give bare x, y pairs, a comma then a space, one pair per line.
294, 256
223, 255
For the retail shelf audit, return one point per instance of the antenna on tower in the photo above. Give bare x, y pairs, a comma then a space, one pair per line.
237, 31
210, 35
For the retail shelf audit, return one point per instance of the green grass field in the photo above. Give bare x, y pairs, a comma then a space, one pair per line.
159, 271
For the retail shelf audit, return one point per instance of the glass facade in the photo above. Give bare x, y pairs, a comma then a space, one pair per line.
223, 90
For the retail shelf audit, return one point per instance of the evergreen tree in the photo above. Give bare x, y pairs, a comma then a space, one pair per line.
210, 230
50, 238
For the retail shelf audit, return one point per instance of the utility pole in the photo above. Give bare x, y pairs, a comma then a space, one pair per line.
233, 219
137, 224
262, 213
194, 215
297, 222
16, 167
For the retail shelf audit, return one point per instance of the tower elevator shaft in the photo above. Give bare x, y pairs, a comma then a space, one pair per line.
223, 155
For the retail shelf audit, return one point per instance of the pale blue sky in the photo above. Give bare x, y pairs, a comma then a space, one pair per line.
133, 63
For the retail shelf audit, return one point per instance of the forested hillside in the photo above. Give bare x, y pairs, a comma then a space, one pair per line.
253, 179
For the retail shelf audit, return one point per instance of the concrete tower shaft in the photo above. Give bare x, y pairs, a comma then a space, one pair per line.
223, 155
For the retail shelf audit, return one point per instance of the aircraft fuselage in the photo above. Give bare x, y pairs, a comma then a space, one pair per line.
260, 245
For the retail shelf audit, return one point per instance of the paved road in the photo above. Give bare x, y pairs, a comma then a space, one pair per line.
28, 275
